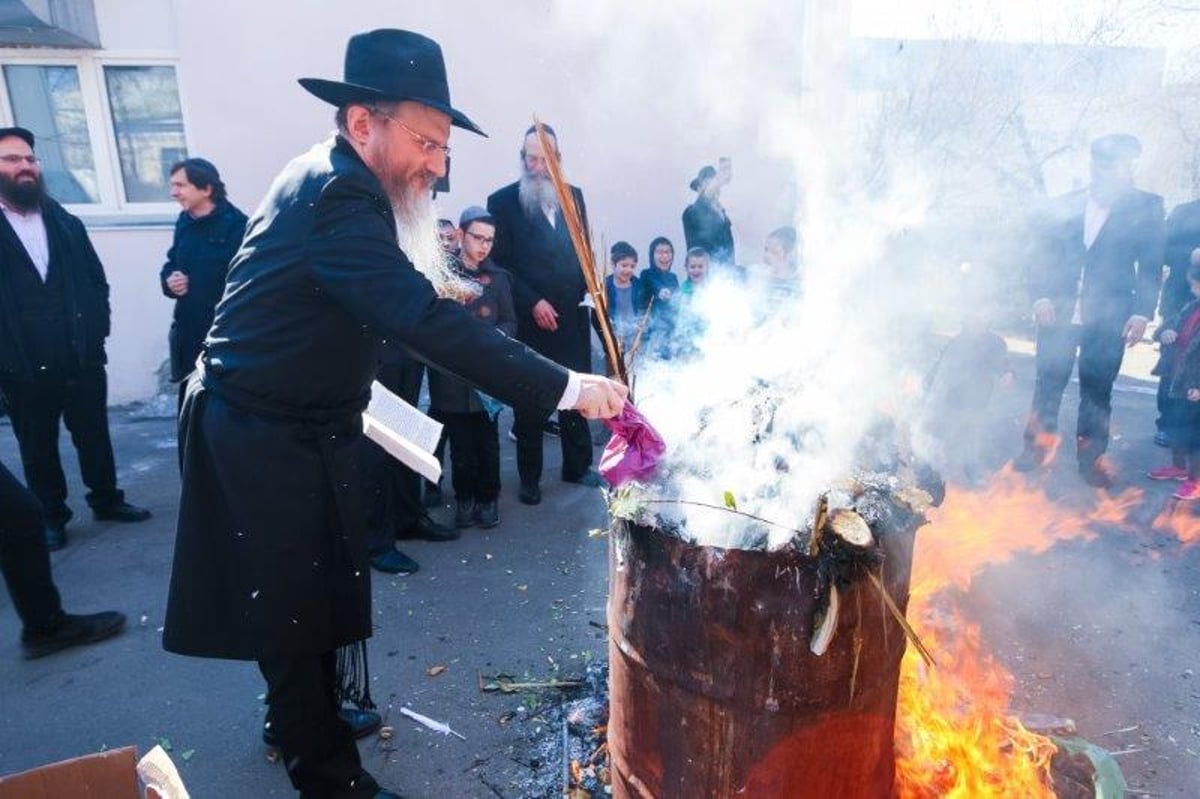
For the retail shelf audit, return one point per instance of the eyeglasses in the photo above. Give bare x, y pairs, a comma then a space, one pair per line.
481, 239
428, 145
32, 160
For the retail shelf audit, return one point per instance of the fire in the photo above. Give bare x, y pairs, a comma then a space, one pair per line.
955, 737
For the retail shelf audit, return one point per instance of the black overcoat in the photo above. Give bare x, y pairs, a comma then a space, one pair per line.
201, 249
706, 225
85, 292
270, 553
1183, 236
1120, 272
543, 265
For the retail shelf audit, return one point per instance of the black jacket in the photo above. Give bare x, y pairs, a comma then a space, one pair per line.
271, 553
202, 249
493, 306
543, 265
707, 225
85, 292
1120, 271
1183, 236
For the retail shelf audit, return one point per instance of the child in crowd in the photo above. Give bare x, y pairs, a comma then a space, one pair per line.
782, 265
1179, 364
660, 286
696, 264
689, 326
958, 391
624, 294
469, 416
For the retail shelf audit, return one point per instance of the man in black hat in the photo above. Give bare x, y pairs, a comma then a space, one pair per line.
271, 560
705, 223
1096, 282
54, 318
534, 245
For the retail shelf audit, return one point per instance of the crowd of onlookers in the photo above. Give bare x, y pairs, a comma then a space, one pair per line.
1095, 281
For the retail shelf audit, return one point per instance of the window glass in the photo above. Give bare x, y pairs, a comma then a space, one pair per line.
148, 126
47, 100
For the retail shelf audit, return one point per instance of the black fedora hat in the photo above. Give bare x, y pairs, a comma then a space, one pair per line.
390, 65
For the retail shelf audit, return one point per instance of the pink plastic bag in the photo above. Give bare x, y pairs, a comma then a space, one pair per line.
634, 450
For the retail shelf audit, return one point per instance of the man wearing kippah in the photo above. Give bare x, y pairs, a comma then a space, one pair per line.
1095, 283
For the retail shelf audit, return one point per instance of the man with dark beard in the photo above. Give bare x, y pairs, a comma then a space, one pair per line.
271, 560
534, 245
54, 317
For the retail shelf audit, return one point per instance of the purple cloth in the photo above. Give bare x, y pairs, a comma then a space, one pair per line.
634, 450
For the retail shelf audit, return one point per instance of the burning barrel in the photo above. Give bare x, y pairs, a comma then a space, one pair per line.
715, 690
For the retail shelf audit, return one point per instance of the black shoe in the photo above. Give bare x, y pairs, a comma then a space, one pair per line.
394, 562
56, 536
1161, 440
1029, 460
1095, 475
487, 514
464, 514
427, 529
550, 428
362, 723
433, 496
73, 631
591, 478
530, 494
121, 512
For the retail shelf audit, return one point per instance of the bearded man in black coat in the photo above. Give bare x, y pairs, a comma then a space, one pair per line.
54, 318
534, 245
271, 560
1095, 284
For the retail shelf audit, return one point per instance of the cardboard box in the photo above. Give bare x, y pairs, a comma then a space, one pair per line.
117, 774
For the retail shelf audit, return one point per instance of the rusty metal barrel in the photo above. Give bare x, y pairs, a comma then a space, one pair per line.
714, 691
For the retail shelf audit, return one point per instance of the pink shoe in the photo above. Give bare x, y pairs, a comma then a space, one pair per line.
1189, 490
1167, 473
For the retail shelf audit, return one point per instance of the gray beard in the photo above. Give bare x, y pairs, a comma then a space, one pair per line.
417, 235
536, 193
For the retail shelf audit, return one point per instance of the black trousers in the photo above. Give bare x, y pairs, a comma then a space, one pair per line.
318, 746
394, 490
78, 398
1161, 401
474, 455
24, 558
574, 434
1099, 352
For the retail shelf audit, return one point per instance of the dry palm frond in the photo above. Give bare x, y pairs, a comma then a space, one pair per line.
587, 259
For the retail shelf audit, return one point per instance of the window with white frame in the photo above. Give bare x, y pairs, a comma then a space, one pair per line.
108, 129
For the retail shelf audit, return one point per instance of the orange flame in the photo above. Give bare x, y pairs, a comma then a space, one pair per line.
955, 736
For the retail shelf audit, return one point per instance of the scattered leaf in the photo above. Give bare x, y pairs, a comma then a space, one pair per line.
730, 502
386, 733
165, 743
188, 755
434, 671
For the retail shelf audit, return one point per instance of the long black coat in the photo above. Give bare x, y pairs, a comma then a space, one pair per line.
202, 249
543, 265
707, 225
1183, 236
270, 553
85, 292
1121, 271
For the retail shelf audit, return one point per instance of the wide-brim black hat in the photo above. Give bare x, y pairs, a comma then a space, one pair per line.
392, 65
706, 174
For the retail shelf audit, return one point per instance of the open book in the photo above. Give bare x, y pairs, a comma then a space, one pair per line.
404, 432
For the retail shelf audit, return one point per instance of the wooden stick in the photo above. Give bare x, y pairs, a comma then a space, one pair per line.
583, 250
903, 622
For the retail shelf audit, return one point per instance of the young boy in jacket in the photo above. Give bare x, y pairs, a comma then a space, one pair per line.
469, 416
